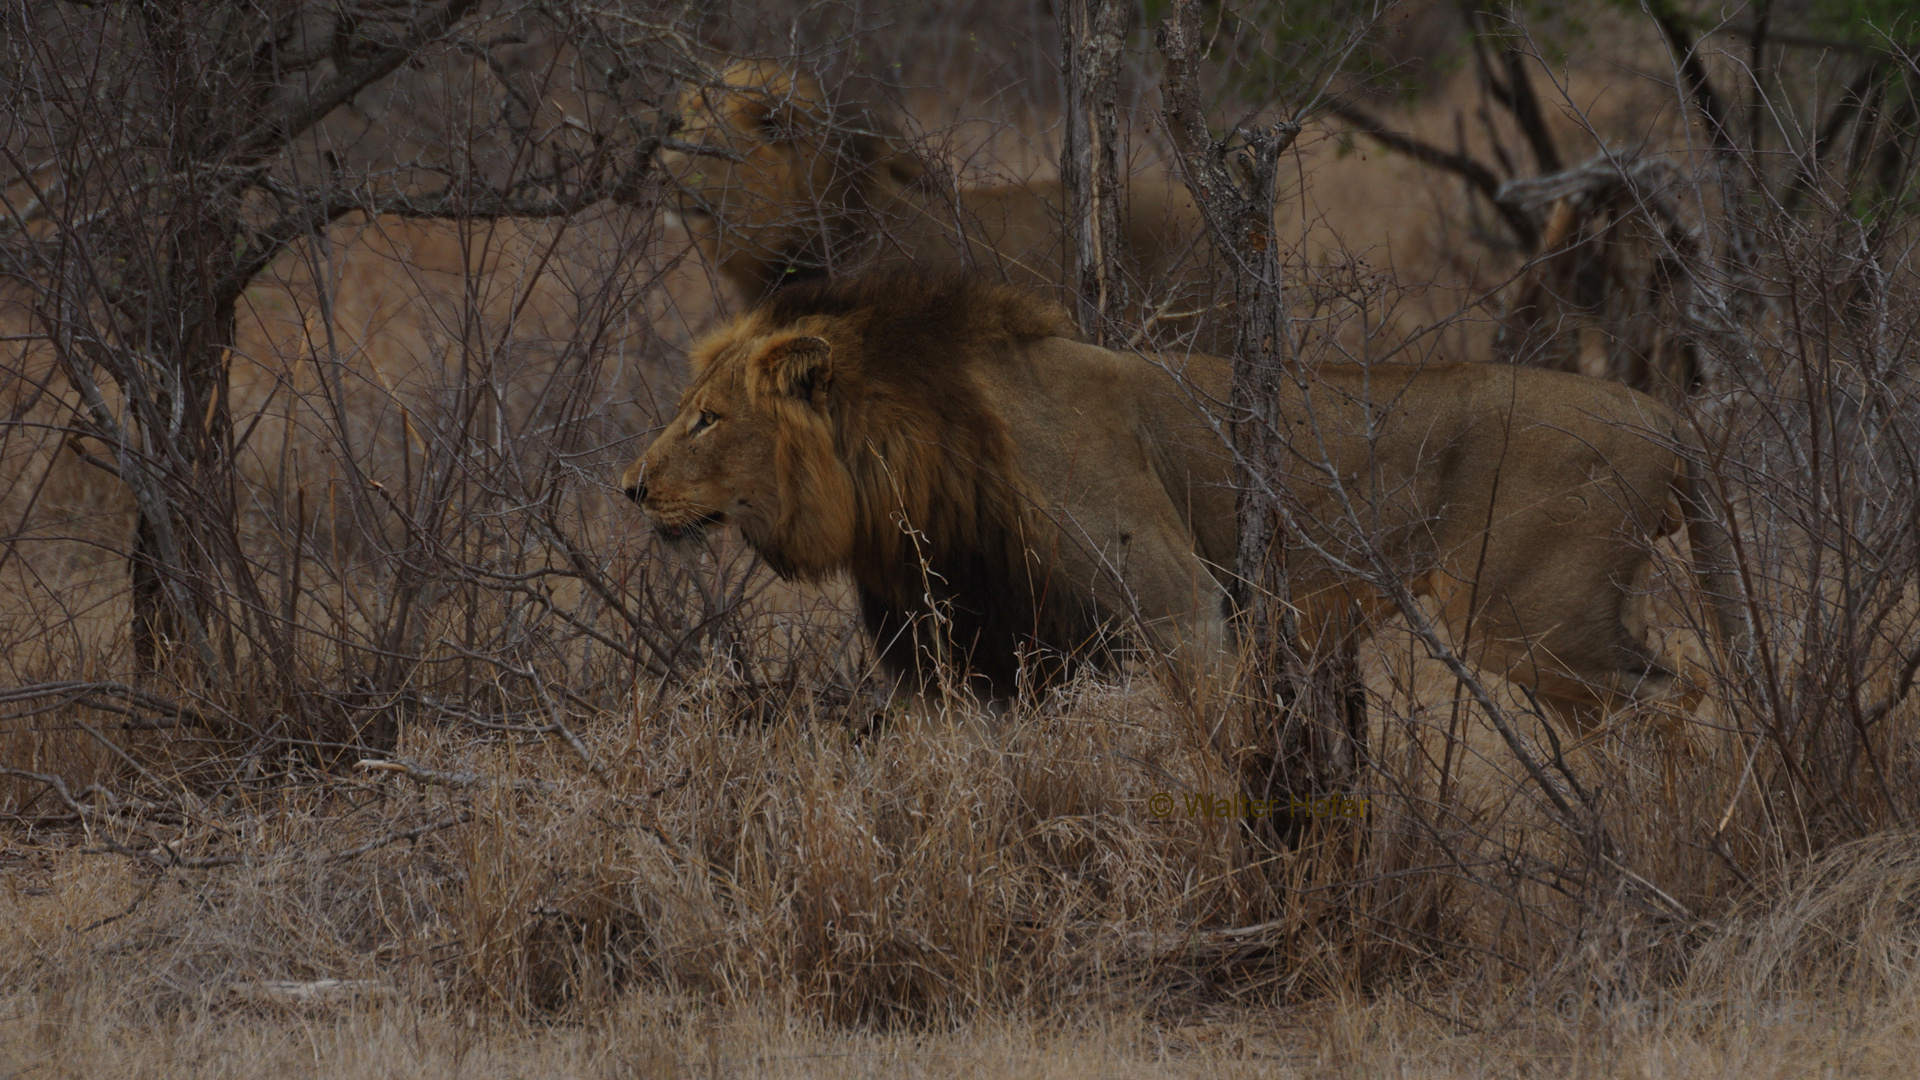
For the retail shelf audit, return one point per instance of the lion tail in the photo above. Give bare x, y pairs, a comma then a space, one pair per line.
1713, 558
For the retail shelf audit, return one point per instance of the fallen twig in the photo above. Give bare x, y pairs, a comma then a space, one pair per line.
414, 833
456, 780
165, 853
319, 991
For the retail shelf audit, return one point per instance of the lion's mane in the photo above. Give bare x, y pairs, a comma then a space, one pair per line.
913, 486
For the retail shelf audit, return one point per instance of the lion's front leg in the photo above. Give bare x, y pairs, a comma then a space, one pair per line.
1137, 562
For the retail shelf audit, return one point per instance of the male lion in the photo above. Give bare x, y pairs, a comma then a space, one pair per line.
790, 185
996, 487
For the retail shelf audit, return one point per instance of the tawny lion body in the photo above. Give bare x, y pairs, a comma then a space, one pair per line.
950, 439
797, 186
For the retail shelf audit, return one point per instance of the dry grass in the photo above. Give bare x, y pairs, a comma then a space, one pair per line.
648, 820
935, 898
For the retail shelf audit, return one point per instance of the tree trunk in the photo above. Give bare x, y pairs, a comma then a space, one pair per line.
1238, 210
1313, 714
1090, 38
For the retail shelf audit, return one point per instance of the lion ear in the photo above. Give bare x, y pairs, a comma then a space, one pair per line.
801, 367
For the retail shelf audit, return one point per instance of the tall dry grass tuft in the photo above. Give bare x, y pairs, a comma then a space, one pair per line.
1836, 926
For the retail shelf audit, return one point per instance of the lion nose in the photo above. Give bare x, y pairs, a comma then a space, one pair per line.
638, 492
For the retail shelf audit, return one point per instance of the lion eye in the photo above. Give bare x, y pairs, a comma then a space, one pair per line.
702, 422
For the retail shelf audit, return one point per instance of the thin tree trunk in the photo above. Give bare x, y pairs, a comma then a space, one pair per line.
1314, 714
1238, 208
1090, 39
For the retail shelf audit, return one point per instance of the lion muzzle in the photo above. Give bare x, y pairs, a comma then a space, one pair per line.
687, 529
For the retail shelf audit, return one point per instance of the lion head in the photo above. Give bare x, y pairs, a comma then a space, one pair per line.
753, 446
774, 174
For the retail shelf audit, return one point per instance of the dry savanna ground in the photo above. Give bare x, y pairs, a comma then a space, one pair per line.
644, 817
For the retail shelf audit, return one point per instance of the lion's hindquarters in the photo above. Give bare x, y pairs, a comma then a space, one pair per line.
1583, 496
1524, 502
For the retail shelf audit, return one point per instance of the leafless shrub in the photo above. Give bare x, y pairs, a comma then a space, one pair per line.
190, 189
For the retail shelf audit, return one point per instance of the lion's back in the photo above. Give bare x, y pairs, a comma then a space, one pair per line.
1460, 448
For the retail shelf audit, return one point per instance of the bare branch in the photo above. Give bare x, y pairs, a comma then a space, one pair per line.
1686, 53
349, 81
